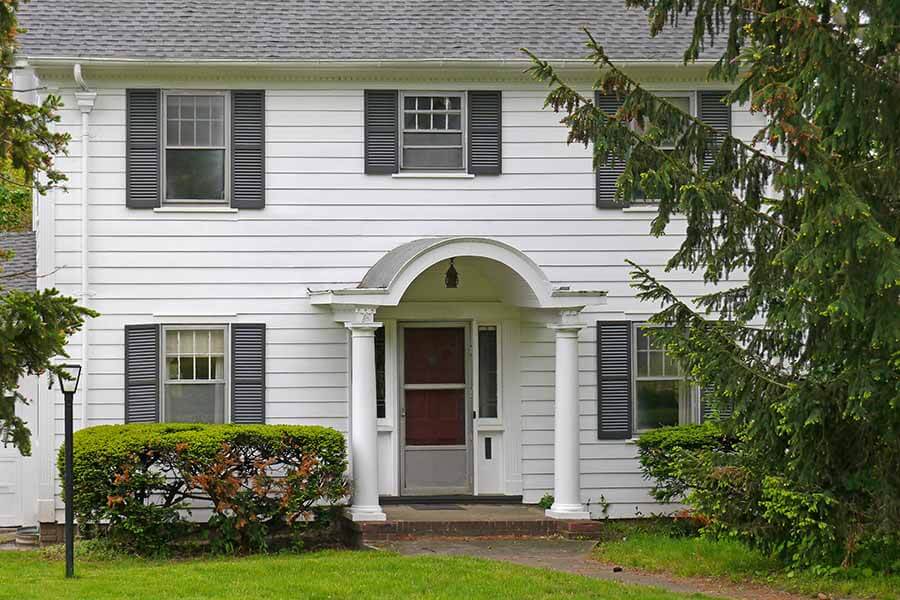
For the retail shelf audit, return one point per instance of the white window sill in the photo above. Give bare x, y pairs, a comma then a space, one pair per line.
641, 209
196, 209
437, 175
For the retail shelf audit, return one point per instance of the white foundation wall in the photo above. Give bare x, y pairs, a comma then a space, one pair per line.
325, 223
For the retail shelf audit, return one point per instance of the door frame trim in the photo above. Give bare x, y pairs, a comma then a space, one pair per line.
466, 326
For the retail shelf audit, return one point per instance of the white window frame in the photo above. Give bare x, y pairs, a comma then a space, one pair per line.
463, 124
476, 370
164, 375
687, 415
226, 132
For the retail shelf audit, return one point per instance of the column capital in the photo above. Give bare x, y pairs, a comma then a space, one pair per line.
363, 320
568, 320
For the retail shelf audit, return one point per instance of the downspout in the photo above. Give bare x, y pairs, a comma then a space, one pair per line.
85, 99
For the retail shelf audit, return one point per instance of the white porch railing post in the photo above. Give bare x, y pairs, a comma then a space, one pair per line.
363, 419
566, 469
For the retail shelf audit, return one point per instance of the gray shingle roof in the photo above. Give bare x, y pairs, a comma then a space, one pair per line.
293, 30
20, 272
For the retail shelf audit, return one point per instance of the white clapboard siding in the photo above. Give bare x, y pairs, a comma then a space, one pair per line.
325, 223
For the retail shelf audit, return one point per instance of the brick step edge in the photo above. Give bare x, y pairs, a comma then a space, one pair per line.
406, 530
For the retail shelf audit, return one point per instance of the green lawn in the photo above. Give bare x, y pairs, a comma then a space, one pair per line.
331, 574
697, 557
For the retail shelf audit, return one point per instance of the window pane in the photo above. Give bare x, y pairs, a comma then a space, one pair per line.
643, 364
186, 133
217, 107
409, 120
432, 158
172, 368
683, 103
201, 342
657, 403
203, 107
203, 133
202, 364
453, 122
219, 367
218, 341
409, 103
186, 342
487, 372
171, 342
643, 342
439, 122
217, 133
656, 364
424, 102
186, 368
380, 407
424, 121
195, 403
439, 104
172, 137
195, 174
173, 104
455, 102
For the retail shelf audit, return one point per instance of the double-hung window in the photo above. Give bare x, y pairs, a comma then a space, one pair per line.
662, 394
195, 150
684, 101
432, 136
194, 375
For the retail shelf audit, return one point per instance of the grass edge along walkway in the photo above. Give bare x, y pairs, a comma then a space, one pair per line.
328, 574
692, 557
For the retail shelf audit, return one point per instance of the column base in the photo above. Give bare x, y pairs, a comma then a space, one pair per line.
366, 513
570, 512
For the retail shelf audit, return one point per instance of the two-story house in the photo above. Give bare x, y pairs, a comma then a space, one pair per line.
360, 215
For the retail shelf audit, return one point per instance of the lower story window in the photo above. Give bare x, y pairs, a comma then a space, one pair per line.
194, 386
662, 394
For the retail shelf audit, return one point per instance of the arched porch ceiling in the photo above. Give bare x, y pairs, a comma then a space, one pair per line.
388, 279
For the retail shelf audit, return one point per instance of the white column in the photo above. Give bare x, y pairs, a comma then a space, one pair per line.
566, 469
363, 420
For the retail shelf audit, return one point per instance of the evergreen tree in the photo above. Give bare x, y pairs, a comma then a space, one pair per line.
34, 326
806, 218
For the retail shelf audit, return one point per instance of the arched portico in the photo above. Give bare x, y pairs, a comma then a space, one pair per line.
520, 283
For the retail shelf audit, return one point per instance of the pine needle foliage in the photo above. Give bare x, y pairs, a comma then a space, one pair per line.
798, 230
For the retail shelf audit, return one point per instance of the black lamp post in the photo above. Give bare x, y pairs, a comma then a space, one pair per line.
69, 386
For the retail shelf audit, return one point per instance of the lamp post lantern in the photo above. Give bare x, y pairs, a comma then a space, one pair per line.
69, 386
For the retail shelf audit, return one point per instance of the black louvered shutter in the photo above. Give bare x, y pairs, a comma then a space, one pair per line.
607, 175
613, 380
485, 138
711, 407
142, 148
382, 134
716, 115
248, 373
142, 373
248, 149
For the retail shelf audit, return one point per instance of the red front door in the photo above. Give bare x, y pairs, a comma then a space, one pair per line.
435, 423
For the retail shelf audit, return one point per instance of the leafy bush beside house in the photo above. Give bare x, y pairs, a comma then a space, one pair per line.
256, 479
661, 452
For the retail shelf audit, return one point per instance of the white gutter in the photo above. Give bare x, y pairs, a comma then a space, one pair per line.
313, 64
85, 99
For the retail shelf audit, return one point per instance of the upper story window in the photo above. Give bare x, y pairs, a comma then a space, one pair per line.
685, 102
662, 394
194, 381
196, 147
432, 137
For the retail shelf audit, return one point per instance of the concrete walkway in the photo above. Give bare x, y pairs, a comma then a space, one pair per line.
574, 556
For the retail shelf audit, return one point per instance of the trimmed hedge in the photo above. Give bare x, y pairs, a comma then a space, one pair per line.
141, 481
661, 452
